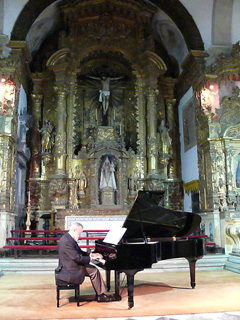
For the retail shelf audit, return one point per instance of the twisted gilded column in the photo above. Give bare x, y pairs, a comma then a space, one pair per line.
167, 86
170, 103
152, 151
60, 140
71, 110
36, 114
141, 127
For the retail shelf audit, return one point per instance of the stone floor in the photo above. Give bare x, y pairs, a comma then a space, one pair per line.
31, 280
200, 316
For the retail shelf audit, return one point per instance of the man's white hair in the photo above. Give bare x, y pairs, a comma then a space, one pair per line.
75, 225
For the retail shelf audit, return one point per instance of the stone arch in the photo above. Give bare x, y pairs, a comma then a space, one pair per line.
27, 17
173, 8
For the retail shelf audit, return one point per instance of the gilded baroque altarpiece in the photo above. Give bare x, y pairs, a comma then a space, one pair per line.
104, 124
218, 141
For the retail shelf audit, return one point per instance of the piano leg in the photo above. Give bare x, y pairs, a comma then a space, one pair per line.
117, 284
130, 284
108, 279
192, 265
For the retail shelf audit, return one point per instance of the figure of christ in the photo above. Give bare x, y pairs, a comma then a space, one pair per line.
104, 92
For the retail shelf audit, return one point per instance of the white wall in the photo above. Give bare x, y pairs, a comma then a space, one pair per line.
1, 16
236, 22
189, 159
201, 11
12, 10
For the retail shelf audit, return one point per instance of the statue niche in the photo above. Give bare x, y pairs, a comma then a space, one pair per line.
107, 181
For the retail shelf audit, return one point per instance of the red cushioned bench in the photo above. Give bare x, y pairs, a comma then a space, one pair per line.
27, 242
38, 248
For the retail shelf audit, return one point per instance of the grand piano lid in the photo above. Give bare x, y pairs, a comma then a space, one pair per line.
148, 219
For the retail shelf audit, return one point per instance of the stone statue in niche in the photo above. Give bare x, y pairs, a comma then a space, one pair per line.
131, 184
165, 140
47, 132
79, 187
223, 206
82, 183
107, 177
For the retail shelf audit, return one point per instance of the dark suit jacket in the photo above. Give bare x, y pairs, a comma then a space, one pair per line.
71, 260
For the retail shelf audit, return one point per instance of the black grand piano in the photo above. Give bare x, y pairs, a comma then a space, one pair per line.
153, 233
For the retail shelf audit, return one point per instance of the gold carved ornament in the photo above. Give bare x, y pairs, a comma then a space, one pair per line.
192, 186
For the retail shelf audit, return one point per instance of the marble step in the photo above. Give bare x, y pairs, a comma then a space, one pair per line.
208, 262
48, 264
233, 263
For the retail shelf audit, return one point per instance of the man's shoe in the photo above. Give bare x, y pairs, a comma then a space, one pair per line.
103, 298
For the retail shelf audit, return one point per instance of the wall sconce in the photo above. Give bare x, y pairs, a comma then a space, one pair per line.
7, 93
209, 97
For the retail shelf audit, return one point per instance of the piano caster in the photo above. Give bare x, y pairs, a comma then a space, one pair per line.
130, 305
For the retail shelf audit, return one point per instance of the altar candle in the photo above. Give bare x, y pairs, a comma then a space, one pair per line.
120, 129
28, 196
114, 114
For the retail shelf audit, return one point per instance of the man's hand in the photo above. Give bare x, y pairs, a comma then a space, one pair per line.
95, 256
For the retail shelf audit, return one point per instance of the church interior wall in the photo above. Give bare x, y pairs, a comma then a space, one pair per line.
11, 9
198, 10
187, 202
1, 15
235, 21
221, 23
188, 158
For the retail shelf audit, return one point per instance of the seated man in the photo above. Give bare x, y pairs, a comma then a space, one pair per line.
74, 264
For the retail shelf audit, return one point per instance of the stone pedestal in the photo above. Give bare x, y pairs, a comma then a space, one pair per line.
107, 196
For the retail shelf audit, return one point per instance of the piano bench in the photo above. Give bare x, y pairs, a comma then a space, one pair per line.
67, 286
